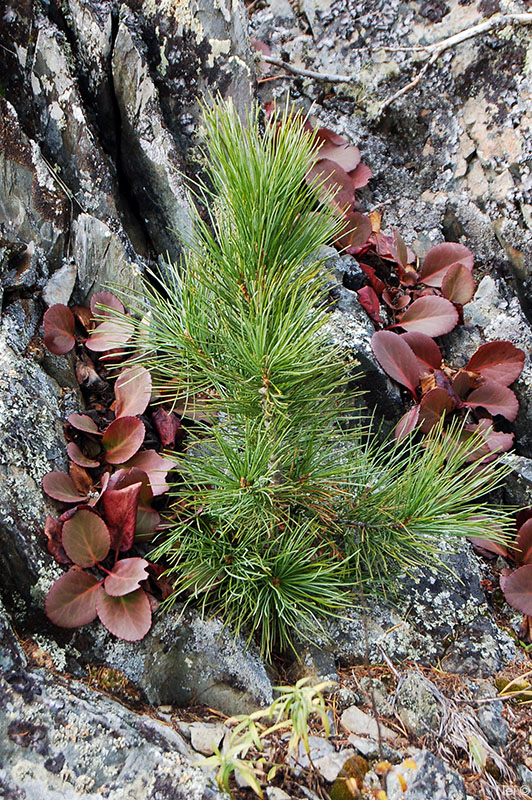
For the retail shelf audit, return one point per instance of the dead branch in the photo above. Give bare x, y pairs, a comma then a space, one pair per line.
433, 51
307, 73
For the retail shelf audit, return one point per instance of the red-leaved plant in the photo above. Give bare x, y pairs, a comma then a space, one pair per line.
515, 581
482, 388
110, 485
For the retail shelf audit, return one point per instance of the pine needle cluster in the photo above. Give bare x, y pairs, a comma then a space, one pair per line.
285, 503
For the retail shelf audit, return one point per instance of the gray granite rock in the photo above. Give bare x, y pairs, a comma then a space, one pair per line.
151, 159
59, 287
31, 444
426, 776
102, 255
58, 739
417, 706
490, 715
184, 659
69, 136
436, 615
33, 209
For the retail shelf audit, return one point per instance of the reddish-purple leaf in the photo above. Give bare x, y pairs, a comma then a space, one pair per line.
488, 546
361, 176
401, 249
52, 530
396, 358
440, 258
370, 303
120, 512
431, 315
122, 439
86, 538
155, 466
102, 301
523, 544
356, 232
128, 616
326, 136
495, 398
132, 392
499, 361
517, 589
81, 422
61, 487
147, 519
458, 284
462, 383
71, 602
168, 426
110, 334
491, 443
327, 176
59, 329
424, 348
79, 458
407, 423
346, 156
433, 406
126, 576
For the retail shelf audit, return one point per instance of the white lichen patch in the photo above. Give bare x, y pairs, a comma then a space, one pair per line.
182, 12
218, 47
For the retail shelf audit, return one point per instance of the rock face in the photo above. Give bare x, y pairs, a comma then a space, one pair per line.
183, 660
60, 739
436, 615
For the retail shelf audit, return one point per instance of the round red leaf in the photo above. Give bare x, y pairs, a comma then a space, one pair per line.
128, 616
433, 406
102, 301
122, 439
61, 487
80, 458
59, 327
431, 315
329, 178
517, 589
523, 544
71, 601
495, 398
440, 258
110, 334
499, 361
86, 538
132, 392
347, 156
396, 358
458, 284
424, 348
155, 467
126, 576
81, 422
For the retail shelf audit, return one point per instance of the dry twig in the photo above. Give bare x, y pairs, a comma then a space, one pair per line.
431, 52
